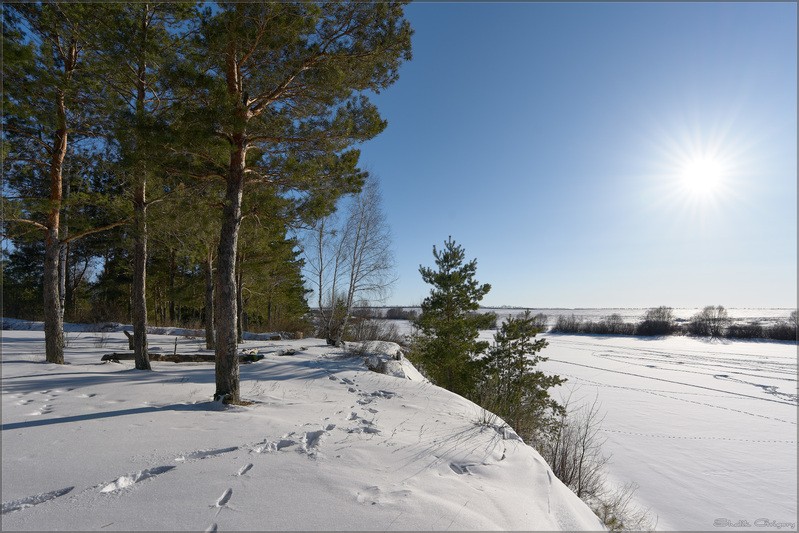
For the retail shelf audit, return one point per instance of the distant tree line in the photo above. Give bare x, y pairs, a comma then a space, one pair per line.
711, 321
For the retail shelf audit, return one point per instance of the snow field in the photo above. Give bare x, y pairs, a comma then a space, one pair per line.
708, 429
326, 445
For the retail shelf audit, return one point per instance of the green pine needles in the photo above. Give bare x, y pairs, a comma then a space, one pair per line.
446, 346
503, 377
511, 386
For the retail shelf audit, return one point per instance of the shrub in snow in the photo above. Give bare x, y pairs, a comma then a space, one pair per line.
751, 330
709, 322
657, 321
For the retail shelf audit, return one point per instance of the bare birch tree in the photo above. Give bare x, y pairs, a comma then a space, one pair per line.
350, 260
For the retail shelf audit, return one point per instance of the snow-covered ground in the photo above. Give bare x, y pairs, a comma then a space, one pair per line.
708, 429
326, 445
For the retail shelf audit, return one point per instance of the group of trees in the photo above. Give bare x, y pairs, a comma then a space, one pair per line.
504, 379
349, 259
187, 141
501, 377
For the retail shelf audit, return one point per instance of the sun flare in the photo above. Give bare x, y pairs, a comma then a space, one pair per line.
702, 176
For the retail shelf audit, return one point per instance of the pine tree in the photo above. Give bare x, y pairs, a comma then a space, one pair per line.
510, 384
50, 102
284, 94
446, 346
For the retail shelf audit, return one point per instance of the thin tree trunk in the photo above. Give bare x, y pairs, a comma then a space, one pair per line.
172, 268
240, 300
210, 342
139, 288
227, 364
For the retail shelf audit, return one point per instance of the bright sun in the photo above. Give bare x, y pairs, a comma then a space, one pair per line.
702, 176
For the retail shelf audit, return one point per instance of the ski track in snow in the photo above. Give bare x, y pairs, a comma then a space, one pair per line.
656, 393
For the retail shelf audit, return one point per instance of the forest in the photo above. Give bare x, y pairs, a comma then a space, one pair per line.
159, 159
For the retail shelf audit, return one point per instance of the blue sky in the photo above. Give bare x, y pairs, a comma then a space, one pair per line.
552, 141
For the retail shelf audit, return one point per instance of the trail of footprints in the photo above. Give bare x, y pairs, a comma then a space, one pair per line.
307, 442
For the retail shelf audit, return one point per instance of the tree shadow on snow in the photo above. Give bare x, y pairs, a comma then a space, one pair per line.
202, 406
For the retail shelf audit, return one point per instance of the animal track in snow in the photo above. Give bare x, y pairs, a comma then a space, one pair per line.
212, 528
244, 469
130, 479
203, 454
30, 501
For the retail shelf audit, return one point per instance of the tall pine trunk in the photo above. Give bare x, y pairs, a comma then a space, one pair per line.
139, 283
209, 301
63, 257
53, 321
227, 362
53, 324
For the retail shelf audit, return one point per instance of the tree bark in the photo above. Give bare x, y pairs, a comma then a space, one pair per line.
240, 300
63, 257
227, 364
139, 285
172, 269
53, 322
210, 339
139, 288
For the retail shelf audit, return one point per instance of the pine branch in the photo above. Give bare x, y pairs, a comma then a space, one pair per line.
26, 221
94, 230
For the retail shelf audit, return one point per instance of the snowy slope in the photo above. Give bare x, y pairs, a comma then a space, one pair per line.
326, 445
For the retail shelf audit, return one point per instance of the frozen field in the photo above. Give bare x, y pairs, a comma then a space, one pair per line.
707, 429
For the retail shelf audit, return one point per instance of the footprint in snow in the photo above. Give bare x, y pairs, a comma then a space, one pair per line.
30, 501
461, 468
203, 454
43, 410
268, 446
244, 469
222, 501
131, 479
211, 529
